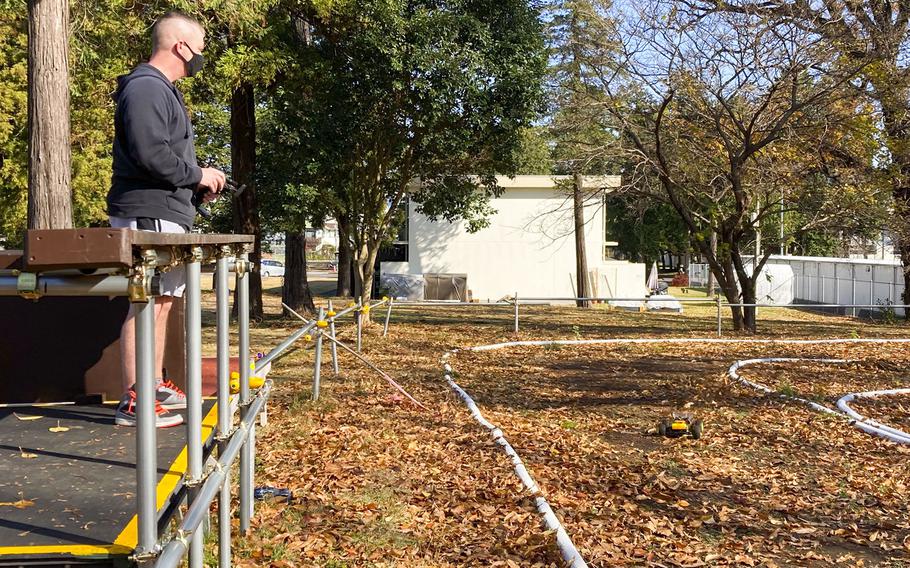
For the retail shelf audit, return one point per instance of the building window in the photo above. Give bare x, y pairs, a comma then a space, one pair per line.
397, 250
610, 245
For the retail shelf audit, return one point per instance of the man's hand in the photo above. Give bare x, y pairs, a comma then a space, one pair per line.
212, 180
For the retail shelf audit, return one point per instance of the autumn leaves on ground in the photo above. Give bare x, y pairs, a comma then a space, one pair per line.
379, 482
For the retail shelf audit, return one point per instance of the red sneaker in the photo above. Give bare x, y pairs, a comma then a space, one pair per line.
126, 413
170, 396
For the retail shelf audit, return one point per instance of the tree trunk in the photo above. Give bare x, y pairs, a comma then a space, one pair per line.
750, 321
726, 276
345, 260
901, 196
365, 264
243, 165
50, 200
295, 292
747, 286
731, 293
581, 259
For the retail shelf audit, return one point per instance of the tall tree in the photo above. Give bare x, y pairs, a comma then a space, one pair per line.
534, 155
292, 204
645, 228
872, 38
243, 41
581, 256
399, 91
50, 201
295, 289
243, 168
579, 44
345, 283
715, 114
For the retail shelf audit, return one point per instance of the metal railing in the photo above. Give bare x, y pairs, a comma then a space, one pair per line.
718, 302
152, 548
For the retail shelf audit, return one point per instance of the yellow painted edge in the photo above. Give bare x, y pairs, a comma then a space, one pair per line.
125, 542
74, 549
129, 536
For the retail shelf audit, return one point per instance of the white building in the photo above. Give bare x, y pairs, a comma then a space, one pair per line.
528, 247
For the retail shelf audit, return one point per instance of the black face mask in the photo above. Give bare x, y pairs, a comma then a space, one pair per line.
194, 65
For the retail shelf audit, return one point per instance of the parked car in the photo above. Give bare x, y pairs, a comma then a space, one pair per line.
269, 268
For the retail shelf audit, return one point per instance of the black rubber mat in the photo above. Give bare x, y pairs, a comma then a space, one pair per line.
70, 494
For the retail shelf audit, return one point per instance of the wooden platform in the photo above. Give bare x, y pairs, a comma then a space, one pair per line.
67, 498
59, 249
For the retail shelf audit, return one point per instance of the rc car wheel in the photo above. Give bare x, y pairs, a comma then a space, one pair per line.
266, 274
696, 429
662, 427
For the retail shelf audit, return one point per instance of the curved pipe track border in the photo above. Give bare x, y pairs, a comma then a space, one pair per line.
570, 554
567, 549
869, 425
856, 419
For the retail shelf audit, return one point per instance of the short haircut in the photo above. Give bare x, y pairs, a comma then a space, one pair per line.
158, 28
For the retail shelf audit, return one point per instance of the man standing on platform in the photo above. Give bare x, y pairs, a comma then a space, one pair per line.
155, 181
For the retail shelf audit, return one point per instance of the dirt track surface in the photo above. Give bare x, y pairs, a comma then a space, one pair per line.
378, 482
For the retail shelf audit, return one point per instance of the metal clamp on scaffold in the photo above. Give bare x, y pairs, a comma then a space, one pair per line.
145, 558
195, 254
226, 436
242, 266
193, 482
27, 285
137, 287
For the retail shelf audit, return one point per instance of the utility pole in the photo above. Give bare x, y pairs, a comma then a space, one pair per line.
783, 247
581, 259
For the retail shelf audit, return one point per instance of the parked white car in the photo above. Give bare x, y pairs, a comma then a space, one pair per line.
269, 268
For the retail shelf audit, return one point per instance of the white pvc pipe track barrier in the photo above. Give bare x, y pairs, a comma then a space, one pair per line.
733, 374
869, 425
856, 419
566, 547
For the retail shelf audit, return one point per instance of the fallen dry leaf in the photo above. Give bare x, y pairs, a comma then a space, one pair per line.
20, 504
27, 455
25, 417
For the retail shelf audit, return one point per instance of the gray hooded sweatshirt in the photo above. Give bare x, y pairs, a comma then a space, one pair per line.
155, 170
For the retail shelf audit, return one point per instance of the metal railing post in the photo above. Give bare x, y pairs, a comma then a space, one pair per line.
388, 315
146, 435
837, 287
173, 552
333, 347
853, 288
719, 332
516, 312
246, 453
317, 364
222, 313
193, 321
358, 317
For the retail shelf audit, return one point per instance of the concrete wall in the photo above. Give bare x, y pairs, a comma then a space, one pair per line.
528, 248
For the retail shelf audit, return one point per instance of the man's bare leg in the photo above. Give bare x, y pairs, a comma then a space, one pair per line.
162, 313
128, 340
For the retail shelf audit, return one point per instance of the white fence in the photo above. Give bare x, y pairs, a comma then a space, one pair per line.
834, 280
